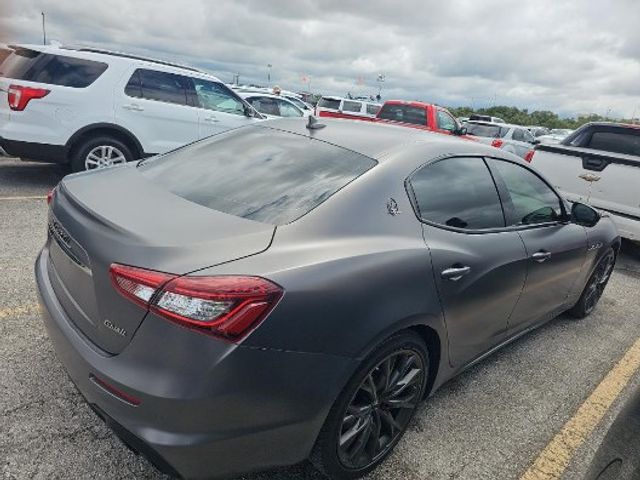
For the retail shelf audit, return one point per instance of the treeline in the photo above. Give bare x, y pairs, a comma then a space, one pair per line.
538, 118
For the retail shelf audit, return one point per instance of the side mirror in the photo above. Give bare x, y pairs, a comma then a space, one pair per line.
535, 141
460, 131
584, 215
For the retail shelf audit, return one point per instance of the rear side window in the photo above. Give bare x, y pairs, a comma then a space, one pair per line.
257, 173
330, 103
351, 106
34, 66
458, 192
618, 142
404, 114
484, 130
160, 86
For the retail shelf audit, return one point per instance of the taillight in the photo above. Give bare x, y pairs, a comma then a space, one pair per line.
19, 96
226, 305
50, 195
529, 156
497, 143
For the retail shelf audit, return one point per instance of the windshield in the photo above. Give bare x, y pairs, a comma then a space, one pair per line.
257, 173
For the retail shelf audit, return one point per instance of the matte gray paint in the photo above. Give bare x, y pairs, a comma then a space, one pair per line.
352, 274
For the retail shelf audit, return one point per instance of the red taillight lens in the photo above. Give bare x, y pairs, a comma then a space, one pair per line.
137, 284
227, 305
50, 195
529, 156
497, 143
19, 96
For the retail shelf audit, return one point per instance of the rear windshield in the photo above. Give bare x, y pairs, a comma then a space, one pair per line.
403, 113
482, 130
331, 103
257, 173
33, 66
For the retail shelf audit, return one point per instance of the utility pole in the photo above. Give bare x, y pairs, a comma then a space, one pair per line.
44, 31
269, 74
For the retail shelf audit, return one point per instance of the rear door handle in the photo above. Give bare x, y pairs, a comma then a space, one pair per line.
541, 256
211, 119
133, 107
455, 273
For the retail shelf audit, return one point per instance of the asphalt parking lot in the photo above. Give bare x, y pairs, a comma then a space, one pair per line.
491, 422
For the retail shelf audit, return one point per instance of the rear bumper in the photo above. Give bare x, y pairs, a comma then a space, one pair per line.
207, 408
39, 152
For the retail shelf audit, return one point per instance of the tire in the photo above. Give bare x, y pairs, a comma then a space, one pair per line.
100, 152
595, 286
385, 414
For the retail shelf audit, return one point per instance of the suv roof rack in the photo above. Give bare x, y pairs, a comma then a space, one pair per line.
132, 57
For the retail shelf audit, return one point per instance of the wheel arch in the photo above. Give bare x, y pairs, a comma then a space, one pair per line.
110, 129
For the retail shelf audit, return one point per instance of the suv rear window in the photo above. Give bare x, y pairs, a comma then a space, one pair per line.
484, 130
257, 173
351, 106
403, 113
331, 103
619, 142
34, 66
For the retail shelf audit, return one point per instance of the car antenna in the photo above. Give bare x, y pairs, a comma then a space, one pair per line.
313, 124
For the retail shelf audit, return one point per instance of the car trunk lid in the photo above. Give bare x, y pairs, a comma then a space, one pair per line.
92, 226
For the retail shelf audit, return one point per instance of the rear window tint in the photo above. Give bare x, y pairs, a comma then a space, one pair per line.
33, 66
618, 142
257, 173
160, 86
331, 103
404, 113
482, 130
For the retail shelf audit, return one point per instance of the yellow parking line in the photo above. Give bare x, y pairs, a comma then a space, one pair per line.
18, 311
31, 197
556, 456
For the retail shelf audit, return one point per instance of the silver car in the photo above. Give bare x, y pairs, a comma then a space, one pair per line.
512, 138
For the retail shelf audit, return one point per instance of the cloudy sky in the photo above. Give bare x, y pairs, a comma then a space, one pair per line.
570, 56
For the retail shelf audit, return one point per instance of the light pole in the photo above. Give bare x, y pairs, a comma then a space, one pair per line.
269, 74
380, 79
44, 32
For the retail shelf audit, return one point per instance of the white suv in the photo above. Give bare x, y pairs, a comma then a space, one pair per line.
92, 108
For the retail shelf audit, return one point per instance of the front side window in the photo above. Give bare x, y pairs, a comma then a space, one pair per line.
354, 107
518, 135
373, 109
215, 96
532, 201
445, 121
265, 105
34, 66
459, 193
288, 110
404, 114
159, 86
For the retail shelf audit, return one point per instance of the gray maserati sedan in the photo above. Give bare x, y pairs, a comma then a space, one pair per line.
291, 290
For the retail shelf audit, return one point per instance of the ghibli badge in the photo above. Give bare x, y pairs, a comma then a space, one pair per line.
119, 330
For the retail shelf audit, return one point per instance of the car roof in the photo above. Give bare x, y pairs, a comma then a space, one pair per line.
102, 55
412, 103
260, 94
379, 141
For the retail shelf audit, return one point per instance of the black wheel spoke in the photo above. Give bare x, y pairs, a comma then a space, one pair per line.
381, 408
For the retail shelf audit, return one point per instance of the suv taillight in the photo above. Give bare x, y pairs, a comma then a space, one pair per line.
529, 156
19, 96
225, 305
497, 143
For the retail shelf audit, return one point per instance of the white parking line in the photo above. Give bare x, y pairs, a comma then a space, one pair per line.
29, 197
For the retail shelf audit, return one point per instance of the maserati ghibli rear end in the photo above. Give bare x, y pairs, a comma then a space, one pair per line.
283, 292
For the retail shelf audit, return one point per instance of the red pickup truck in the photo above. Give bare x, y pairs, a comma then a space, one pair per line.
425, 116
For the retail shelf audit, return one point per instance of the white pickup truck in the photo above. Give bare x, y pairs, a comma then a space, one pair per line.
598, 164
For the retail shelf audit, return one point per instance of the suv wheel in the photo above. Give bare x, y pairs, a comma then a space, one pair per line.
595, 286
373, 411
100, 152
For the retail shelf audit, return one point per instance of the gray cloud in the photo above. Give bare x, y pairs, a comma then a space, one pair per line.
571, 56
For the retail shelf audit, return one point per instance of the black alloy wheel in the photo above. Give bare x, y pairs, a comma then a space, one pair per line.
375, 409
